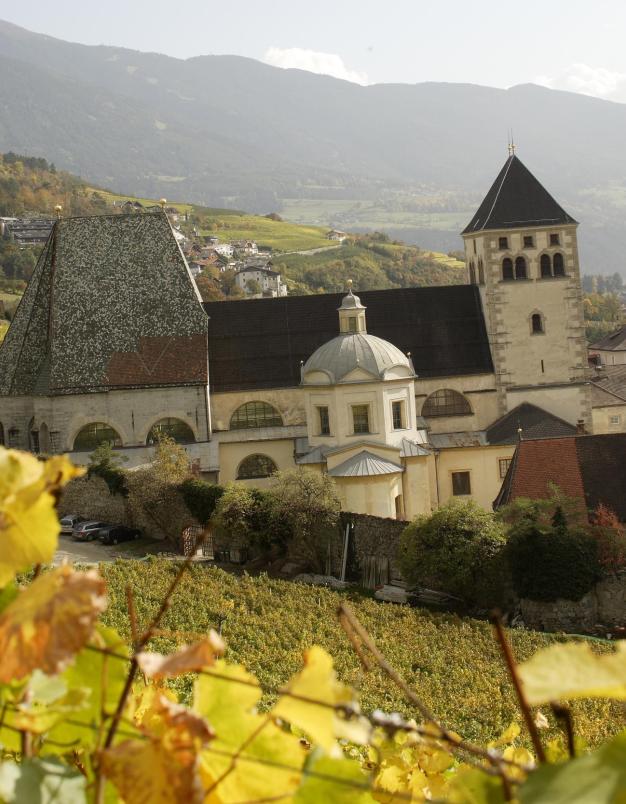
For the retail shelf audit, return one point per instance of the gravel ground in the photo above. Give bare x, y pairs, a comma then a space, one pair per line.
82, 552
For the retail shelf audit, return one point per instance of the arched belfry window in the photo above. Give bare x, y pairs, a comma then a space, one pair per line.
446, 402
507, 268
520, 268
255, 414
536, 324
94, 434
545, 264
256, 466
177, 429
559, 264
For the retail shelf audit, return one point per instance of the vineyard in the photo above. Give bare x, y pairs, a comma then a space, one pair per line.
163, 682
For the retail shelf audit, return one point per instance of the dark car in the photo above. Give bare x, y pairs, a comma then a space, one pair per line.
86, 531
113, 534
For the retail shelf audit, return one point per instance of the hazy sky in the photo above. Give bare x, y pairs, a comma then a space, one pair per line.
569, 44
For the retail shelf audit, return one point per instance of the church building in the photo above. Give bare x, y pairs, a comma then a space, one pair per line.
406, 397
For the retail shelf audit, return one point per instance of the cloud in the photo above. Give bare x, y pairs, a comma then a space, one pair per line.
314, 62
597, 81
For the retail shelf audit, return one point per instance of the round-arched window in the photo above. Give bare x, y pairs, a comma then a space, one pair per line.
177, 429
446, 402
94, 434
507, 268
520, 268
255, 414
256, 466
559, 265
546, 265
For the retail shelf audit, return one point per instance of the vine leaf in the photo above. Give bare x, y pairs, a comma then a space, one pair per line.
186, 660
597, 778
41, 780
163, 766
317, 680
29, 527
472, 786
350, 786
251, 758
49, 622
573, 670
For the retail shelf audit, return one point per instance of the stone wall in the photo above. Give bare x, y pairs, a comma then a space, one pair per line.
373, 548
604, 605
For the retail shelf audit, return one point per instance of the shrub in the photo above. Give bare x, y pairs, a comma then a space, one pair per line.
548, 562
104, 462
457, 550
200, 498
610, 536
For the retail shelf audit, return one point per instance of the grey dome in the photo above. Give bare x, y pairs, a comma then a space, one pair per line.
349, 351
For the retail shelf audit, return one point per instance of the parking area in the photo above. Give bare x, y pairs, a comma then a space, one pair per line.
82, 552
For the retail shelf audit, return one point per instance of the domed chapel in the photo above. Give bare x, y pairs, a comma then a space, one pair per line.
406, 397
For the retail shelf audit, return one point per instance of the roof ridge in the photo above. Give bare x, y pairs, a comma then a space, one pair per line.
506, 173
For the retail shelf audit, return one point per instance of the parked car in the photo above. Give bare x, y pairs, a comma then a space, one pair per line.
69, 522
113, 534
86, 531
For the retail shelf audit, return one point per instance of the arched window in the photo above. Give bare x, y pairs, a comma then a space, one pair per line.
559, 265
481, 271
446, 402
536, 323
545, 264
520, 268
92, 435
255, 414
507, 268
177, 429
255, 466
472, 271
1, 435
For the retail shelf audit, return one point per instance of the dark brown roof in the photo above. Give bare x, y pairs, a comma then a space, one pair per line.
260, 343
534, 422
586, 467
516, 200
615, 342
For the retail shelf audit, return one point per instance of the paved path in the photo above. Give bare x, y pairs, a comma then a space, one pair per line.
82, 552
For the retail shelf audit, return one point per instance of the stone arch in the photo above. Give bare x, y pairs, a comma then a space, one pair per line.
256, 466
255, 414
173, 427
446, 402
91, 435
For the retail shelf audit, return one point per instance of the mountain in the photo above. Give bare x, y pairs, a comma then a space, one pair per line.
414, 160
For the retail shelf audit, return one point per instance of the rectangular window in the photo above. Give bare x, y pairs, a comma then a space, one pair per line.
397, 415
555, 240
324, 420
615, 419
361, 418
503, 466
461, 483
352, 324
503, 242
528, 241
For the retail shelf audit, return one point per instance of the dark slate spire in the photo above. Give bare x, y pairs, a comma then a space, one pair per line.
517, 200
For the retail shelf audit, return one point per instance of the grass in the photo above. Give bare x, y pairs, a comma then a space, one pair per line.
4, 325
279, 235
453, 662
112, 197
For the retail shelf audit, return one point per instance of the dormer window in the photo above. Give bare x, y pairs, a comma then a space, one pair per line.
503, 243
555, 239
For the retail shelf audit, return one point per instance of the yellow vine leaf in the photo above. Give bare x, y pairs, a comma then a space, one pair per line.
161, 768
186, 660
573, 670
29, 527
251, 758
49, 622
317, 681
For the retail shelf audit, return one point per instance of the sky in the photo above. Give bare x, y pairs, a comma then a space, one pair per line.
566, 44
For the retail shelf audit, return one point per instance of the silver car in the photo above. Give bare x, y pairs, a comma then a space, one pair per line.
87, 531
69, 522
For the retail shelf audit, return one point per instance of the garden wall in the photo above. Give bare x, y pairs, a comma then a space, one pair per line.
372, 552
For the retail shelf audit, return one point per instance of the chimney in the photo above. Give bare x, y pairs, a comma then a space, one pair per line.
580, 427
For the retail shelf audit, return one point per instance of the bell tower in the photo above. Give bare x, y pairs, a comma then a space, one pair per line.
522, 252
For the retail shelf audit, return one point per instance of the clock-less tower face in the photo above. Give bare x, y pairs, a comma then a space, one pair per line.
521, 250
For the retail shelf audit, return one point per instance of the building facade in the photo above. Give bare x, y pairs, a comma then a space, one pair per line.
407, 398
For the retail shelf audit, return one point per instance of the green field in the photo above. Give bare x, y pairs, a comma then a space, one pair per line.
453, 662
279, 235
4, 325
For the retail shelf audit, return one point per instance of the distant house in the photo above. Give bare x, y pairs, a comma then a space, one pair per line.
245, 247
335, 234
611, 349
608, 399
210, 240
589, 468
260, 282
28, 231
132, 206
225, 249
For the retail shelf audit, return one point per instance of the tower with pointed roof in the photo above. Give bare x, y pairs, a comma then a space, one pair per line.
521, 250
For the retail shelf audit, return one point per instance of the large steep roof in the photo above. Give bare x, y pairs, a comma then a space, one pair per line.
261, 343
110, 305
614, 342
517, 200
534, 423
